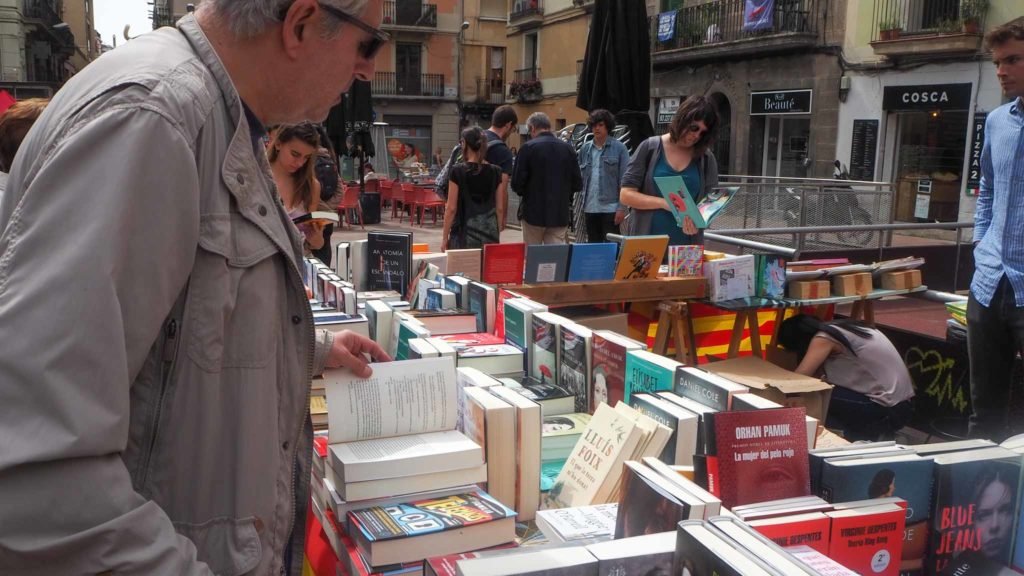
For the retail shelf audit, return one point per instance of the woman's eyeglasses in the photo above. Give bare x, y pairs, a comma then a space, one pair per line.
696, 129
367, 48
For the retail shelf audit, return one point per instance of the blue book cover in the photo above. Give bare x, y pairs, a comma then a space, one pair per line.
647, 373
593, 261
547, 263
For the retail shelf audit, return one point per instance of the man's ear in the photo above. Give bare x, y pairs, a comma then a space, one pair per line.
296, 26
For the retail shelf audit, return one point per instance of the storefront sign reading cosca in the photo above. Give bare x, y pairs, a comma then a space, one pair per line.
780, 102
927, 97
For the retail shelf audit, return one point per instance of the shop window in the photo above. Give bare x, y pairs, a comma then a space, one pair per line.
929, 164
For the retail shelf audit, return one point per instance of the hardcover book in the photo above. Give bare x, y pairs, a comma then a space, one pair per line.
593, 262
974, 506
465, 262
647, 373
682, 445
545, 348
574, 372
810, 529
416, 530
389, 263
762, 455
868, 540
701, 550
482, 303
686, 260
519, 323
648, 505
547, 263
504, 263
907, 476
708, 389
458, 285
640, 257
771, 276
608, 356
596, 462
650, 554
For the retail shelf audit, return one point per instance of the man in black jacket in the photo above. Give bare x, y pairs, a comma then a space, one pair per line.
546, 175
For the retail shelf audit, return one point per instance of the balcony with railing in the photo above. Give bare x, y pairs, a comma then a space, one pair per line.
44, 15
408, 85
526, 85
526, 13
721, 29
927, 27
161, 15
409, 15
490, 91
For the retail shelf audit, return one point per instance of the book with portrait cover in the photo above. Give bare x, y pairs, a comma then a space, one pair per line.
544, 351
649, 503
761, 455
648, 555
389, 261
574, 372
608, 357
906, 476
975, 506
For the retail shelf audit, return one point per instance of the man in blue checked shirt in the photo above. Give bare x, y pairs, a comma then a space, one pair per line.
603, 162
995, 312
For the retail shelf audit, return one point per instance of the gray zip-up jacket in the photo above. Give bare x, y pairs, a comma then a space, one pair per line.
157, 341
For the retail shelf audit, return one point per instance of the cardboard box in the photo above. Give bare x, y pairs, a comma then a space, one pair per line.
777, 384
902, 280
852, 284
809, 289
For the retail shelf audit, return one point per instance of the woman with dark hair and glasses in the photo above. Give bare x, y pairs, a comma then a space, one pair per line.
873, 389
682, 152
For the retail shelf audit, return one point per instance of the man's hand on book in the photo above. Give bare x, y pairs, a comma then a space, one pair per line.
350, 350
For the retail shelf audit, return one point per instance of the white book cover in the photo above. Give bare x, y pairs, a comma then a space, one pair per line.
358, 257
579, 523
341, 261
402, 397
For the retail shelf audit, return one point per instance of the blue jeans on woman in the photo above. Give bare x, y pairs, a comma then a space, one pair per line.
861, 418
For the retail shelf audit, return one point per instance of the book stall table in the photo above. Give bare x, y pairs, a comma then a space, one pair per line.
746, 313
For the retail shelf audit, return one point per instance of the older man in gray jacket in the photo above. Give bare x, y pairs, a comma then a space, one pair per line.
157, 355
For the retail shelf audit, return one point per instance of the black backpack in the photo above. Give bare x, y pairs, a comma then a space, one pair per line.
327, 173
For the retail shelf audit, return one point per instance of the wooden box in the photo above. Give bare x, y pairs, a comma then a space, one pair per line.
809, 289
902, 280
852, 284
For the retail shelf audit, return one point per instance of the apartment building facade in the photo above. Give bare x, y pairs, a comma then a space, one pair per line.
43, 43
918, 86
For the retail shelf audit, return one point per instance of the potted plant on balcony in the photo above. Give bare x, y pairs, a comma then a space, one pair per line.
890, 29
971, 12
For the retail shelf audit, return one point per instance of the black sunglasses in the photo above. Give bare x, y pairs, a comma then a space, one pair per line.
367, 48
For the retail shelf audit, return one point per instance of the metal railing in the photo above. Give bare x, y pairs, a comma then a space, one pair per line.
524, 8
490, 91
892, 19
401, 84
406, 13
723, 21
526, 74
47, 11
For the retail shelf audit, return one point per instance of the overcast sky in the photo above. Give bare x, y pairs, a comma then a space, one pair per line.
112, 16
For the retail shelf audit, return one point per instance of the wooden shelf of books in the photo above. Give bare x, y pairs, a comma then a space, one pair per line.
509, 439
583, 293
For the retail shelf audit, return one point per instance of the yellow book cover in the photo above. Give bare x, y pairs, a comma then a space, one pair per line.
640, 257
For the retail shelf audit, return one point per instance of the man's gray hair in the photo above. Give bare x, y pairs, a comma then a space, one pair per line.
248, 18
539, 121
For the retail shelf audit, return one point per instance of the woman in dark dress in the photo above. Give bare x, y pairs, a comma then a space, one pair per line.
470, 216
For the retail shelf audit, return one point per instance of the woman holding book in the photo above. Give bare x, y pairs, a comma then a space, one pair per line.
291, 156
873, 389
471, 212
683, 152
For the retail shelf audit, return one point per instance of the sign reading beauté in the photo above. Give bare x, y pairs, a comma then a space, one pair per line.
780, 102
927, 97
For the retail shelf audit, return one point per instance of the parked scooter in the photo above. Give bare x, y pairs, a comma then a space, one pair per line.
836, 206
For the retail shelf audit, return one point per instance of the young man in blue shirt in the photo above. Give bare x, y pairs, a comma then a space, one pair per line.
995, 312
603, 162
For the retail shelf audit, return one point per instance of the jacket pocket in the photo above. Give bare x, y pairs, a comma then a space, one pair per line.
231, 291
229, 546
610, 179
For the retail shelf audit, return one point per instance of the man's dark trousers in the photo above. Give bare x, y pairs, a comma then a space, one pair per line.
994, 337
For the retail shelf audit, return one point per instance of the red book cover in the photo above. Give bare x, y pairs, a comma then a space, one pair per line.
499, 313
320, 446
504, 263
868, 540
714, 480
762, 455
798, 530
446, 565
609, 367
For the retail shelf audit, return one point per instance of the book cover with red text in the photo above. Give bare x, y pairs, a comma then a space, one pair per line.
868, 540
761, 455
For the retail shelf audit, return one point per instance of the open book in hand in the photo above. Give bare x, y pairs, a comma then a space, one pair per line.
681, 203
318, 217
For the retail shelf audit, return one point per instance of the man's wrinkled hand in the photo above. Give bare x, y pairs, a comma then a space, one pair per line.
349, 351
